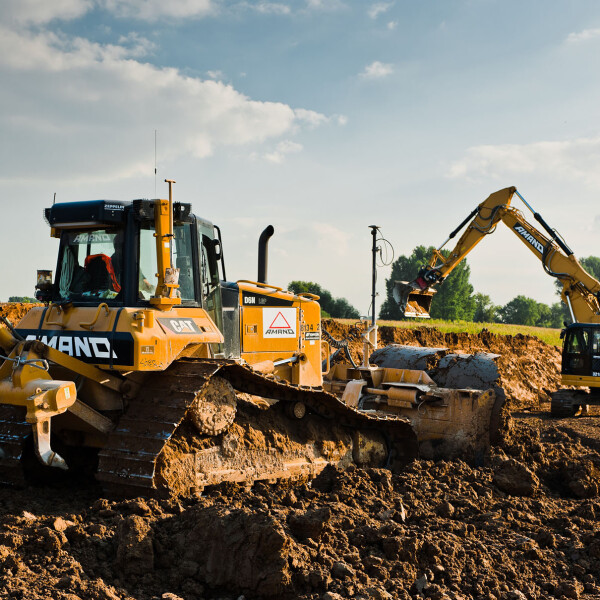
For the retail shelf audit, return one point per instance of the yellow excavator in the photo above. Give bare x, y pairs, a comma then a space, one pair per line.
145, 360
580, 291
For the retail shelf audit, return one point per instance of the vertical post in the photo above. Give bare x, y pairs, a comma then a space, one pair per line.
166, 294
374, 232
171, 229
370, 336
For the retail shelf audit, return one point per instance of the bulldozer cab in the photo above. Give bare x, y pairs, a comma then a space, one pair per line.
108, 254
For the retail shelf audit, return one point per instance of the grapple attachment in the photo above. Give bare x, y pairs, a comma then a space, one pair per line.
412, 300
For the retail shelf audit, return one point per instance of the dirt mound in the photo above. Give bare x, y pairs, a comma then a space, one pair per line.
523, 526
527, 366
15, 311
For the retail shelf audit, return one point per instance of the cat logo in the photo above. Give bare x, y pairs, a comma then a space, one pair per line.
181, 326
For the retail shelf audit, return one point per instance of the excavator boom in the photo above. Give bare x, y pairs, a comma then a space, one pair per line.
580, 291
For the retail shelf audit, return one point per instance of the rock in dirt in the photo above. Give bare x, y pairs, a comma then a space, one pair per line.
515, 478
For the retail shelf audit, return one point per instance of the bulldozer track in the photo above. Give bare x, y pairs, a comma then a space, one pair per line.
128, 462
14, 431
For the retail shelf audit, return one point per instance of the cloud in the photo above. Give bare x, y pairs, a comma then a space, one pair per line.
152, 10
70, 106
379, 8
218, 75
583, 36
573, 160
41, 11
392, 25
272, 8
324, 4
331, 239
377, 70
283, 148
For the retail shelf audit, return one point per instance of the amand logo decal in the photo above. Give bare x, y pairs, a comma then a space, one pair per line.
79, 347
527, 236
279, 322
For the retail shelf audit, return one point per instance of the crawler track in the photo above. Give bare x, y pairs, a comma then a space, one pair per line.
154, 450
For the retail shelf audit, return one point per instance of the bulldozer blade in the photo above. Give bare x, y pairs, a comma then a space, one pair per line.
465, 415
413, 301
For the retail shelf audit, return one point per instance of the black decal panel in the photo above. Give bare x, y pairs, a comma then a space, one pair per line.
253, 299
93, 347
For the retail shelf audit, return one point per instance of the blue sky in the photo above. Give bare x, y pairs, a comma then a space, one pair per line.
320, 117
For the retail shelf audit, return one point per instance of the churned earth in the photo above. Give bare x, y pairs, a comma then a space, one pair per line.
524, 525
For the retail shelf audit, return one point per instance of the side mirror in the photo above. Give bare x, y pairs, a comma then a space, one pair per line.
43, 286
217, 248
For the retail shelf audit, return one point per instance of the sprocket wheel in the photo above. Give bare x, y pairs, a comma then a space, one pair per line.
213, 411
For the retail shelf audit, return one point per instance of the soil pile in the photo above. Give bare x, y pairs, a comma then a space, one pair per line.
523, 526
15, 311
528, 367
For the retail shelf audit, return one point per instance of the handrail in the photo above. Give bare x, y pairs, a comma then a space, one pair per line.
54, 323
259, 284
308, 295
91, 324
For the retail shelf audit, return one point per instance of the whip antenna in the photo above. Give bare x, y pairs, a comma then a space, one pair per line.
155, 170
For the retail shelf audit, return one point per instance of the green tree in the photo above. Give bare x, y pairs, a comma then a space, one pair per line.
21, 299
454, 299
485, 310
558, 315
527, 311
335, 307
520, 311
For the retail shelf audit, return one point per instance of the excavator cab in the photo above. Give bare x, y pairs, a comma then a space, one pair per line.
581, 355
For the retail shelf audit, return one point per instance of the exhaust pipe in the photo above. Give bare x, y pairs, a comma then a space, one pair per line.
263, 253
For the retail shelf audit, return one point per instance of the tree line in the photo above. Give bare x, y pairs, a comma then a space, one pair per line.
455, 299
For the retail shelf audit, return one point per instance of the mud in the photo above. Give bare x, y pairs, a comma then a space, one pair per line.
522, 526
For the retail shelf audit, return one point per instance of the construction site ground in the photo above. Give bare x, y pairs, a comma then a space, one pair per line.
524, 525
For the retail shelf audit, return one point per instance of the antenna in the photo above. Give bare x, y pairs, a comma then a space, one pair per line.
155, 170
54, 201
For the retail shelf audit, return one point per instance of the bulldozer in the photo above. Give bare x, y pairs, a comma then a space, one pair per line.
145, 361
580, 292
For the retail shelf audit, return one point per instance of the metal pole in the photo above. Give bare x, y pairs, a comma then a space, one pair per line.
374, 232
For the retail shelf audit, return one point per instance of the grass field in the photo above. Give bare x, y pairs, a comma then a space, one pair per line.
547, 335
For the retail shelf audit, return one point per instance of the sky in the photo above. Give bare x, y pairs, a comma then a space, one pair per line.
320, 117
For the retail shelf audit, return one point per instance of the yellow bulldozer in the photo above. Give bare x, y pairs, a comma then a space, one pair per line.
580, 292
169, 378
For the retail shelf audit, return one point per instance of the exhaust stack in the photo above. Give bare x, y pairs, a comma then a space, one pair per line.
263, 253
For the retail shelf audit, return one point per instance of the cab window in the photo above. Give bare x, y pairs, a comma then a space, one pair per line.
182, 260
577, 341
90, 264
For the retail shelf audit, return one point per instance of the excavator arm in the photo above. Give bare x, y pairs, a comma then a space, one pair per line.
580, 291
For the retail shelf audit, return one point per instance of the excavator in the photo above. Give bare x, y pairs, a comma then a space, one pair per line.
145, 364
580, 292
